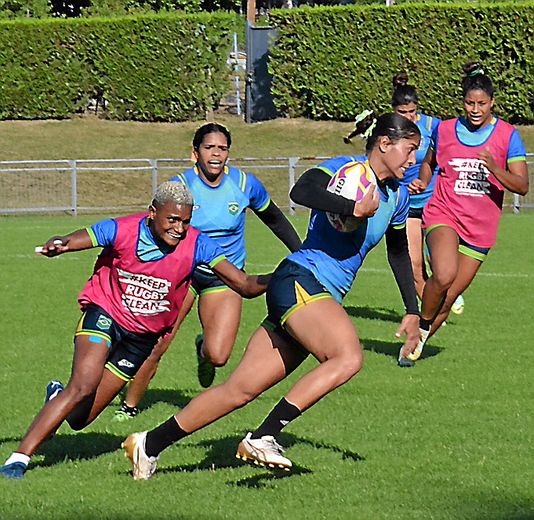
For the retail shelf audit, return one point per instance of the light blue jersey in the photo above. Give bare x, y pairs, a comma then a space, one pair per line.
335, 257
219, 211
427, 125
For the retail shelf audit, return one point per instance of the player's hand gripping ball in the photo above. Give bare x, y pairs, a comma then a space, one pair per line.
351, 181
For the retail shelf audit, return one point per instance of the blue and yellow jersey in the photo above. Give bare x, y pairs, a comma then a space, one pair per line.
335, 257
103, 234
468, 137
427, 126
219, 211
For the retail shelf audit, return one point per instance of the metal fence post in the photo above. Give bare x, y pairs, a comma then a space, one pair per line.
73, 187
154, 168
517, 203
292, 167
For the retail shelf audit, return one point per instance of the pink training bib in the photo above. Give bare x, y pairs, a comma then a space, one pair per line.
141, 296
467, 196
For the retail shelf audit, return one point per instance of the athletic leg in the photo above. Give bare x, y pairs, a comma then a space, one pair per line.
90, 356
467, 270
416, 250
219, 314
139, 385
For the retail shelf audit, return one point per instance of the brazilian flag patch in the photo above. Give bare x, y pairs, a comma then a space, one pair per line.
233, 208
103, 323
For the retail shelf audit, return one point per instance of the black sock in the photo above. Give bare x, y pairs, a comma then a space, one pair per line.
163, 436
282, 414
425, 324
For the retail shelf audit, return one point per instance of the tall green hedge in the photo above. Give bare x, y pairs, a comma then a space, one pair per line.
333, 62
149, 68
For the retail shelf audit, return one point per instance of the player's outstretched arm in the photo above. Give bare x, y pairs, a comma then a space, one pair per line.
277, 222
57, 245
248, 286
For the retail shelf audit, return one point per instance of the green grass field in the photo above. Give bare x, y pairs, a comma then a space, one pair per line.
448, 439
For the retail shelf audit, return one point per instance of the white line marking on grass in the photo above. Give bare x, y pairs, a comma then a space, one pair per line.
382, 271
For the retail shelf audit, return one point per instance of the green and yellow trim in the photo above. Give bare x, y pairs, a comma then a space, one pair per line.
217, 260
467, 251
302, 298
94, 334
116, 372
92, 236
211, 290
519, 158
265, 206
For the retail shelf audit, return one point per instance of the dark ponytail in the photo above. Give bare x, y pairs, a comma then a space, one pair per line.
476, 79
403, 94
394, 126
363, 125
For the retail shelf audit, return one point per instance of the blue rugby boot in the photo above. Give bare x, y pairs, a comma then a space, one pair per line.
53, 389
14, 471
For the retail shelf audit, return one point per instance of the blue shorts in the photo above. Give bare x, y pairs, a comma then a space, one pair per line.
127, 350
204, 281
292, 286
416, 213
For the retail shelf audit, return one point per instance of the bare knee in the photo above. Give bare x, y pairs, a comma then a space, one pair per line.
76, 391
347, 366
217, 356
443, 279
239, 396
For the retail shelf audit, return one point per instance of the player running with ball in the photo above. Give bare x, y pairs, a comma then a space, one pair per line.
305, 315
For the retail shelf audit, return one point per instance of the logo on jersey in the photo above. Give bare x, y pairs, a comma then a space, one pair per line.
103, 323
142, 294
472, 177
125, 363
233, 208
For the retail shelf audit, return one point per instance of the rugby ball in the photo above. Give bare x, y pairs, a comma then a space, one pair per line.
351, 181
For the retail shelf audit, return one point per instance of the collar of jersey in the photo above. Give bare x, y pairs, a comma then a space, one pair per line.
147, 249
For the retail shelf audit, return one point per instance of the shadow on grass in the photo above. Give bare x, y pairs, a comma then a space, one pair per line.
220, 454
177, 398
78, 446
391, 348
374, 313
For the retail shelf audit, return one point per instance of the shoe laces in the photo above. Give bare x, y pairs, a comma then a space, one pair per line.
272, 444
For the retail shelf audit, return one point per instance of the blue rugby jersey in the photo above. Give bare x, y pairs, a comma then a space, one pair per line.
335, 257
427, 126
219, 211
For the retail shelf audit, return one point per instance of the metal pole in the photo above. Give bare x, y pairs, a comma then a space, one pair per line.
236, 70
292, 166
154, 167
517, 203
73, 188
251, 11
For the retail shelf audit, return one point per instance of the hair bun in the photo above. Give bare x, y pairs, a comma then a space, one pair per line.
472, 68
400, 79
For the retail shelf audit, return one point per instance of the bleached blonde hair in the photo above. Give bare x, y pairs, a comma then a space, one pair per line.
171, 191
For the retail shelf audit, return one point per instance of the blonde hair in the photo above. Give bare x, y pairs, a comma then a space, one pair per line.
171, 191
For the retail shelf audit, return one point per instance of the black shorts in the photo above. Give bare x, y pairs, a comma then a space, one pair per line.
292, 286
416, 213
205, 281
127, 350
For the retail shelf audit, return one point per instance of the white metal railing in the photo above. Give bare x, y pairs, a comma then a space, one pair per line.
110, 184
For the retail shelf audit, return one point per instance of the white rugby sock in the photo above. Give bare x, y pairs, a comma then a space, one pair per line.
18, 457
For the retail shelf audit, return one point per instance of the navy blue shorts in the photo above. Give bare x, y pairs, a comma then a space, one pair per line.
205, 281
127, 350
292, 286
416, 213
